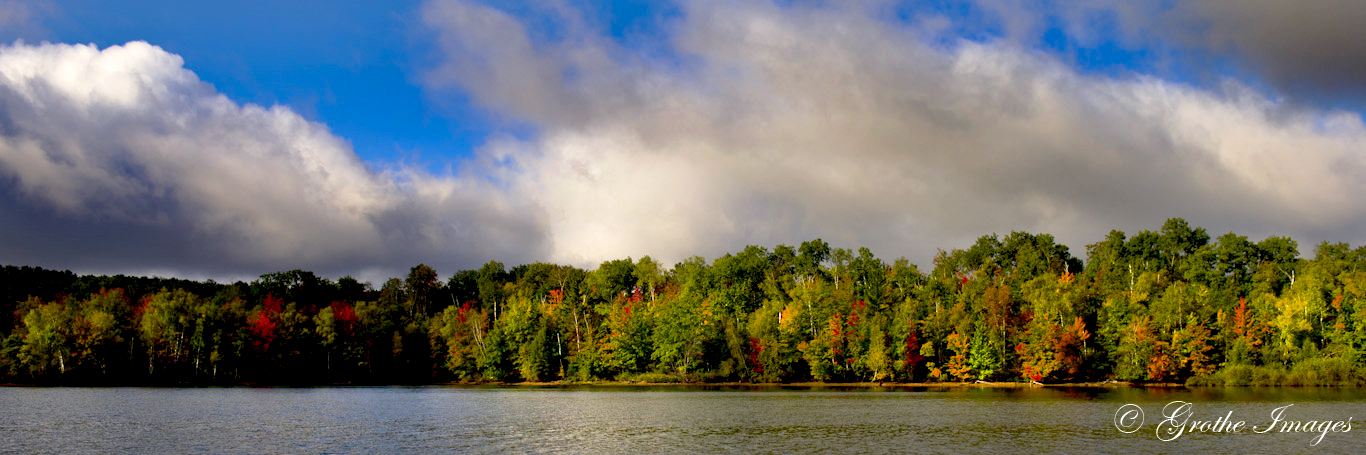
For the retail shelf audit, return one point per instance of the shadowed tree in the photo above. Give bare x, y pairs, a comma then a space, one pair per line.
420, 284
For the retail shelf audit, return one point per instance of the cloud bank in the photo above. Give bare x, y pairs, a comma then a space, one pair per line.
757, 124
784, 124
122, 160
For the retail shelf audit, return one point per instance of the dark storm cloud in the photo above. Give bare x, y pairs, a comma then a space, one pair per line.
1314, 50
1312, 47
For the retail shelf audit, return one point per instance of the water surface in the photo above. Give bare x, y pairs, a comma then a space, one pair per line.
654, 420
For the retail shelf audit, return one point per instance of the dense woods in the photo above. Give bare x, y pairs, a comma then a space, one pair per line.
1172, 305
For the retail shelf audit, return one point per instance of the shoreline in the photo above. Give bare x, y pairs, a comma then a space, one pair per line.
632, 384
814, 385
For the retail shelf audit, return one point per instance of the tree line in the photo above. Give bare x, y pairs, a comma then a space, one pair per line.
1171, 305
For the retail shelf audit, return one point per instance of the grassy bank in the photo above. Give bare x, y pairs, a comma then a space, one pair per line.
1309, 373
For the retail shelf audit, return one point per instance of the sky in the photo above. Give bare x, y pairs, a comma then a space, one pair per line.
228, 140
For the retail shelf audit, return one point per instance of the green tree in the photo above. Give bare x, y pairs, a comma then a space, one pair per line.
684, 324
420, 284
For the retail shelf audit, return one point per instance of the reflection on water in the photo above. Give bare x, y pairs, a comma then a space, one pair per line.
649, 420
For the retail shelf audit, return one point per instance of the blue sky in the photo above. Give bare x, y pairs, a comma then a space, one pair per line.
454, 132
350, 65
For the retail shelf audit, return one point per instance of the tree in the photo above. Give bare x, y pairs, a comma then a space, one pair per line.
461, 332
682, 328
913, 354
650, 276
490, 281
298, 286
1235, 261
336, 327
96, 329
464, 287
824, 352
46, 333
419, 286
262, 324
738, 280
774, 332
985, 355
811, 254
870, 278
1178, 242
879, 363
1191, 350
1279, 261
627, 327
165, 324
958, 365
612, 280
1138, 349
1107, 267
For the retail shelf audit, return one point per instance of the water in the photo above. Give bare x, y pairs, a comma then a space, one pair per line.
655, 420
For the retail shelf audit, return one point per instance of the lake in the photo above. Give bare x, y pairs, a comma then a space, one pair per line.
664, 420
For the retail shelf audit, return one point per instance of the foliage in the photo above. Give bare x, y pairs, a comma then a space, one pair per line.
1171, 305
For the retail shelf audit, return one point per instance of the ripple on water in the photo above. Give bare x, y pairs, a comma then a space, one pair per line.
502, 420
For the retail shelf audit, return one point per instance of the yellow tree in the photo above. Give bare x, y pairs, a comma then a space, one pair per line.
46, 332
164, 321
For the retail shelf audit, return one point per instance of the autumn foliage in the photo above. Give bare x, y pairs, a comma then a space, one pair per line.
1169, 305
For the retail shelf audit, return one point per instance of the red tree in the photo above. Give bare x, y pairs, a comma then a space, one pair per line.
263, 328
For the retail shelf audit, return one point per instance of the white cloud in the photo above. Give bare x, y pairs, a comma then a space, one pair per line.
127, 137
784, 124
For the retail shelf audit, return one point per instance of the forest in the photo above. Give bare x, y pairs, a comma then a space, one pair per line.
1167, 306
